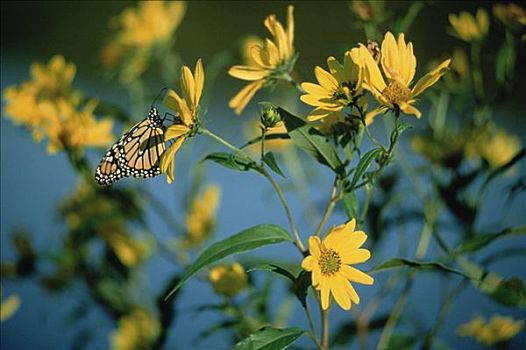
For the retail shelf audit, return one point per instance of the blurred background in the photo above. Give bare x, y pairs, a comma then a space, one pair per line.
34, 183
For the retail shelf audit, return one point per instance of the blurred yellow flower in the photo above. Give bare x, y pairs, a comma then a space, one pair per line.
337, 89
270, 62
499, 148
228, 280
329, 264
246, 49
498, 329
137, 330
9, 307
510, 14
129, 250
252, 130
399, 65
187, 111
460, 63
49, 107
137, 30
468, 28
200, 219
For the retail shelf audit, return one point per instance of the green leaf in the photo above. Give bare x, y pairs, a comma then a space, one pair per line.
350, 205
270, 339
427, 265
268, 137
244, 241
401, 342
275, 269
505, 64
311, 141
270, 160
478, 242
364, 164
231, 161
511, 292
301, 287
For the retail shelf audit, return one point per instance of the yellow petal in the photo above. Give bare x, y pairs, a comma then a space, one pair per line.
290, 26
309, 263
324, 297
9, 307
248, 73
482, 21
408, 109
315, 89
325, 79
336, 69
315, 276
352, 293
174, 131
369, 117
260, 57
317, 114
339, 291
357, 256
390, 56
168, 156
372, 75
243, 97
199, 76
314, 246
355, 275
188, 86
430, 78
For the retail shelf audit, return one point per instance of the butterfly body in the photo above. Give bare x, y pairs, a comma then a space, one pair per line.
137, 153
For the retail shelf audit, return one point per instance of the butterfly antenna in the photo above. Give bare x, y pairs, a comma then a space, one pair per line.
158, 96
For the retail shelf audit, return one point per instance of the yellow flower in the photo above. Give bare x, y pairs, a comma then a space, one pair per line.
137, 330
499, 148
329, 263
468, 28
187, 111
9, 307
337, 89
129, 250
200, 219
228, 280
399, 65
271, 61
246, 49
497, 330
510, 14
48, 106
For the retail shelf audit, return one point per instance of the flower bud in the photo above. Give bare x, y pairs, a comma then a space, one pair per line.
269, 115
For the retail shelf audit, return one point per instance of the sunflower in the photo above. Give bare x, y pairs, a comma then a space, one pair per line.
329, 264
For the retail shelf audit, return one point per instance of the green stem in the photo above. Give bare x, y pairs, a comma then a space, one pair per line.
313, 335
367, 203
274, 184
263, 133
294, 83
325, 328
332, 202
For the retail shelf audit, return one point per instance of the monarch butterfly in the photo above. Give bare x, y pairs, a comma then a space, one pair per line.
137, 153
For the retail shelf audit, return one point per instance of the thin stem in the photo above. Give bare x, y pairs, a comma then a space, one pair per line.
222, 141
367, 202
313, 335
294, 83
263, 133
325, 328
332, 202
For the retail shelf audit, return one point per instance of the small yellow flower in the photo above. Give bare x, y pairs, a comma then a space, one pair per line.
329, 263
468, 28
200, 219
337, 89
137, 330
460, 63
498, 329
399, 65
130, 251
498, 149
228, 280
187, 111
9, 307
510, 14
270, 61
49, 107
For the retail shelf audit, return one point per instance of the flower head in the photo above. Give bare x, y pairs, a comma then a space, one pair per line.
228, 280
137, 330
269, 61
200, 219
498, 329
187, 112
9, 307
497, 148
337, 89
468, 28
329, 263
510, 14
50, 108
399, 65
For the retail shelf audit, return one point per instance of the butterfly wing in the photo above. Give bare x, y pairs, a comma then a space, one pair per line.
137, 153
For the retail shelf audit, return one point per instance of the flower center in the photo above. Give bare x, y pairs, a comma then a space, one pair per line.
329, 262
396, 93
345, 92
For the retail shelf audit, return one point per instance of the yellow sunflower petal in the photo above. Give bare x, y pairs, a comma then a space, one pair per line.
339, 291
355, 275
372, 75
290, 26
314, 246
324, 291
199, 76
325, 79
243, 97
248, 73
168, 156
317, 114
356, 256
260, 57
309, 263
315, 89
336, 69
174, 131
315, 276
352, 293
273, 52
188, 86
369, 117
390, 56
430, 78
410, 110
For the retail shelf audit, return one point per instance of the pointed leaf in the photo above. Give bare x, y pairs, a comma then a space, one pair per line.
231, 161
364, 164
428, 265
350, 205
311, 141
244, 241
270, 339
478, 242
270, 160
